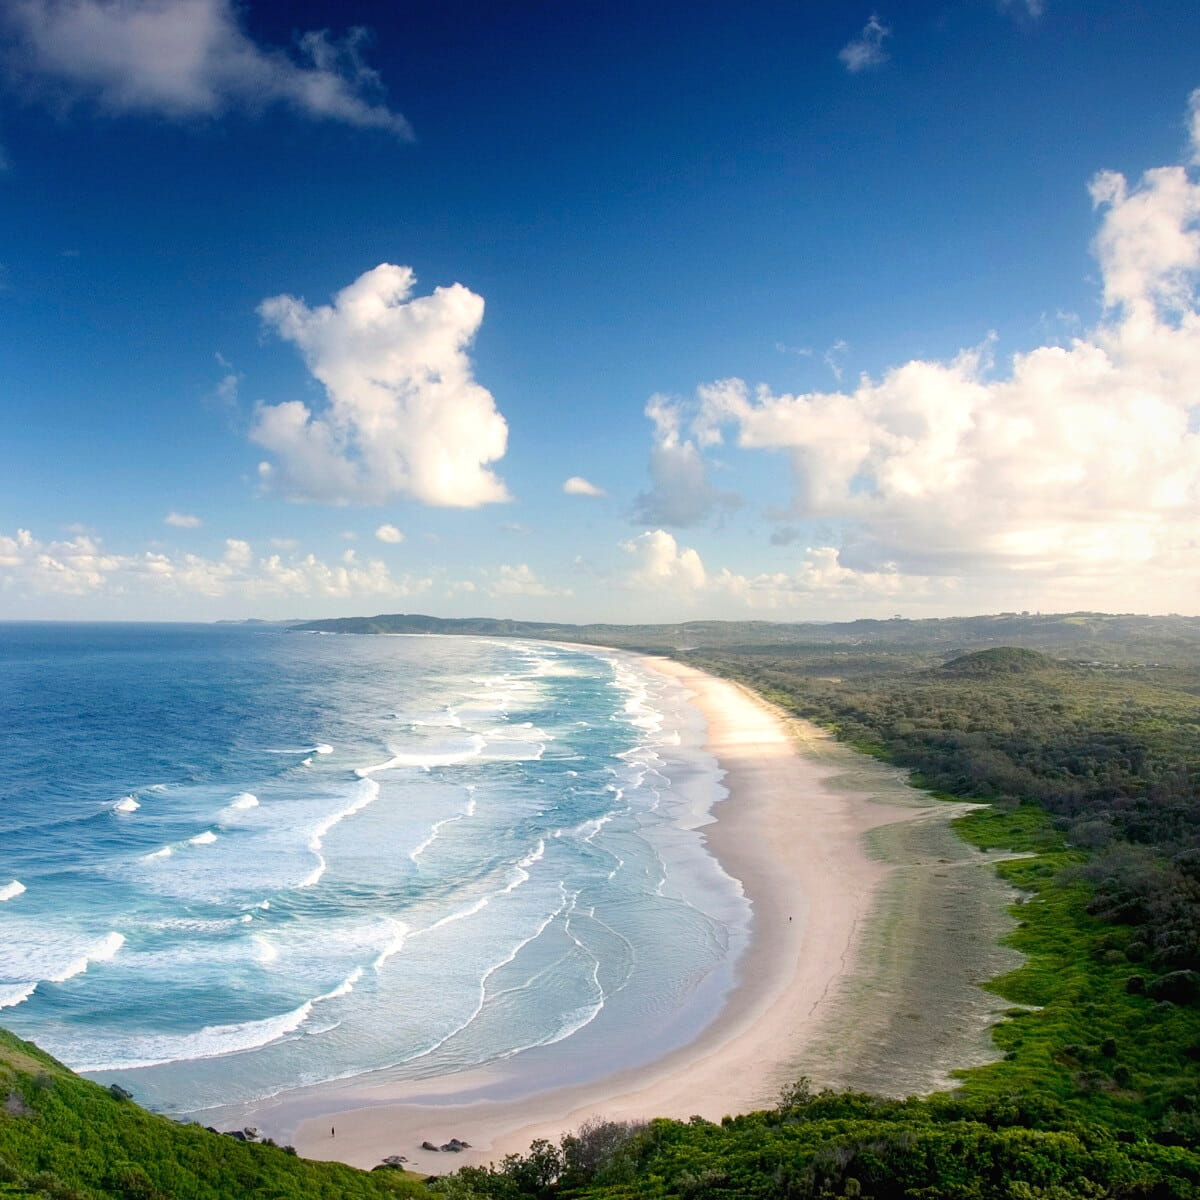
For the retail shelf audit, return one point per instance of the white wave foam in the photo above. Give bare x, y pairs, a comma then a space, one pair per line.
366, 772
344, 988
127, 805
103, 950
322, 748
10, 997
165, 852
368, 790
314, 876
438, 826
212, 1041
267, 952
10, 891
157, 787
203, 839
424, 845
244, 800
427, 760
534, 855
399, 937
461, 915
519, 877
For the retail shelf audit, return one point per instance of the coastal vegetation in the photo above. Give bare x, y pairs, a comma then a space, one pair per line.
1080, 734
65, 1138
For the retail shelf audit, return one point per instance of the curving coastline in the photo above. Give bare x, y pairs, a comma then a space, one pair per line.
844, 865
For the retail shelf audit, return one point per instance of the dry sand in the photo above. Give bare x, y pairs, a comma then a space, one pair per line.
822, 990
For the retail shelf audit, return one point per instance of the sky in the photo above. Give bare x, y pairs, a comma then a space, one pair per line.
598, 310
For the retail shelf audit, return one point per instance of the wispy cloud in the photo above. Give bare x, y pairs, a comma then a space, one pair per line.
1033, 9
866, 50
185, 58
833, 358
182, 520
389, 534
405, 415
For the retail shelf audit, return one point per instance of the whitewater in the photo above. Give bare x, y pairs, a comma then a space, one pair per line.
238, 861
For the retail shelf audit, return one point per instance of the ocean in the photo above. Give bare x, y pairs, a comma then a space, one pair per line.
237, 861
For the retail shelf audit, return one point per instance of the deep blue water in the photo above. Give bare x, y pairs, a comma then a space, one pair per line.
236, 860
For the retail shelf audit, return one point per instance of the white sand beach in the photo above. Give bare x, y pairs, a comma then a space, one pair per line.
796, 842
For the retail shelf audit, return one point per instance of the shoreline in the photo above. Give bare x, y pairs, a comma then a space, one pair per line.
793, 830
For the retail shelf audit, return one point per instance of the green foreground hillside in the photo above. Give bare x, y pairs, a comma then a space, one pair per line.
64, 1137
1082, 735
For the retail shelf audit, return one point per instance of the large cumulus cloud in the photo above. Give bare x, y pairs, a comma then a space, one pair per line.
405, 416
1076, 461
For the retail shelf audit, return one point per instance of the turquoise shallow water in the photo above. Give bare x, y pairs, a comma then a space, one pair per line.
237, 861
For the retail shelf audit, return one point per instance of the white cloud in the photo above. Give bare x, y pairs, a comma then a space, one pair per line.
678, 574
226, 391
866, 50
81, 567
662, 563
682, 494
405, 415
182, 520
390, 534
186, 58
520, 580
821, 578
578, 486
1078, 467
833, 358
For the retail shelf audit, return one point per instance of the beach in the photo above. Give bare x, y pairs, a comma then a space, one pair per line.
805, 830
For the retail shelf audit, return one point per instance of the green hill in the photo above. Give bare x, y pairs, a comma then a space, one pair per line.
1002, 660
68, 1139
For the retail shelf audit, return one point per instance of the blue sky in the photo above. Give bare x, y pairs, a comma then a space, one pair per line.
822, 311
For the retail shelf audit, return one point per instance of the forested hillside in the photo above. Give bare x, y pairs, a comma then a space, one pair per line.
67, 1139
